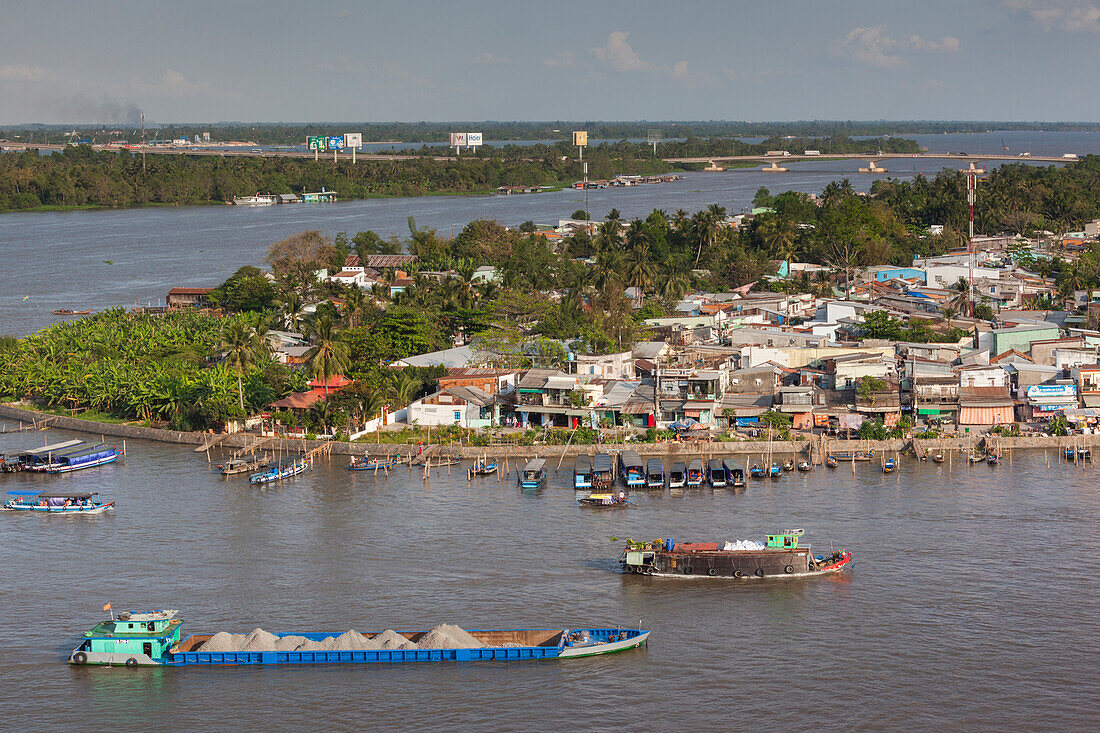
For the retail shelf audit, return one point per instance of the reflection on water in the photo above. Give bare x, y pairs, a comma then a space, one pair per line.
966, 584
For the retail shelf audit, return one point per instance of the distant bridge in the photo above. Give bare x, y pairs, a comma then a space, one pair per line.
224, 152
870, 156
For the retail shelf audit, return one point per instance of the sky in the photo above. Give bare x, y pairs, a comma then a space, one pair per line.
413, 60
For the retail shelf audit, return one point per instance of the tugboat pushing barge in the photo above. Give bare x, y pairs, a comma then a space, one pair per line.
778, 556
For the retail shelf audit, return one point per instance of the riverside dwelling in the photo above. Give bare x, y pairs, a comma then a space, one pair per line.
354, 274
300, 402
188, 298
466, 407
1087, 379
546, 397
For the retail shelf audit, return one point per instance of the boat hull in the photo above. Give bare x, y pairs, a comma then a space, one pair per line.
731, 564
90, 464
98, 509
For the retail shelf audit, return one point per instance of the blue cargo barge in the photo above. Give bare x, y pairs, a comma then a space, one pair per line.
153, 639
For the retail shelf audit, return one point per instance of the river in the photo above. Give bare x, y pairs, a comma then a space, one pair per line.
971, 604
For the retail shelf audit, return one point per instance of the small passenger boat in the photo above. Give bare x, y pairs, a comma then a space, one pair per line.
716, 473
88, 456
603, 500
992, 459
695, 473
655, 474
857, 455
1084, 454
889, 466
1069, 453
154, 638
804, 466
677, 476
937, 458
631, 470
977, 456
285, 468
757, 471
484, 466
71, 312
582, 471
831, 461
56, 502
240, 465
602, 474
534, 474
779, 556
734, 473
774, 470
788, 465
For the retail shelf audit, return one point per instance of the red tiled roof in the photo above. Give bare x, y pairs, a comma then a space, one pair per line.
336, 381
298, 401
190, 291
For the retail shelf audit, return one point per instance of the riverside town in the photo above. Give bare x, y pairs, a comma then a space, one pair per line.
759, 390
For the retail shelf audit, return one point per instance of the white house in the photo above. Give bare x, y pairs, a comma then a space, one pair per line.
467, 407
982, 375
354, 274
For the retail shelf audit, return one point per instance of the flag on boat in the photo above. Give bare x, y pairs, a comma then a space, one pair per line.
107, 607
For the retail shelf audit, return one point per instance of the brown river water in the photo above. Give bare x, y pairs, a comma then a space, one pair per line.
972, 603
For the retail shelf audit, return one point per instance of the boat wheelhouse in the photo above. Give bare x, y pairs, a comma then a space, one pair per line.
778, 556
143, 639
534, 474
695, 472
133, 639
655, 473
735, 474
716, 473
631, 469
582, 471
285, 468
89, 456
55, 502
677, 476
602, 474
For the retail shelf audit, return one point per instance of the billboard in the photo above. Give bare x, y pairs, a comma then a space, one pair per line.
473, 138
653, 136
580, 138
1038, 391
315, 142
353, 139
458, 139
335, 142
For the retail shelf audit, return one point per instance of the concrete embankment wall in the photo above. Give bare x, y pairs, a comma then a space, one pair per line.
778, 449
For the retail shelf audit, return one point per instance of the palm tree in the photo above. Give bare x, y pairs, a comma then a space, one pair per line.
242, 347
675, 284
355, 303
291, 307
329, 356
707, 229
640, 270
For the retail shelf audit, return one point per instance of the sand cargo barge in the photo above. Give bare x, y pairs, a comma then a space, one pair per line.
779, 556
154, 639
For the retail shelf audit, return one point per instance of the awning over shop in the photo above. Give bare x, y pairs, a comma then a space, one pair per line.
986, 415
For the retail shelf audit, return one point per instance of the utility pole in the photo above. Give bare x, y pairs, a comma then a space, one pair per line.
587, 213
971, 174
142, 142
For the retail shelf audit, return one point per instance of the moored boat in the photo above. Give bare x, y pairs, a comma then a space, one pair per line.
716, 473
677, 476
285, 468
856, 455
631, 470
779, 556
831, 461
804, 466
1084, 453
366, 463
241, 465
788, 465
695, 473
604, 500
774, 471
889, 465
977, 456
655, 474
88, 456
155, 639
602, 474
734, 472
937, 458
38, 459
992, 458
758, 471
582, 471
257, 200
1070, 453
71, 312
534, 474
56, 502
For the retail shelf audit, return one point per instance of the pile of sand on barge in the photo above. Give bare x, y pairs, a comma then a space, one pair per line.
443, 636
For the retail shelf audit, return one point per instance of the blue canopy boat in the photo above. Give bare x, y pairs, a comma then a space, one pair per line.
655, 474
285, 468
372, 464
757, 471
582, 471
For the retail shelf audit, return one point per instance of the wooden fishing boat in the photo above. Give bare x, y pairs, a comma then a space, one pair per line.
1069, 453
1084, 453
241, 465
367, 463
788, 465
804, 466
757, 471
779, 556
831, 461
534, 474
937, 458
889, 465
774, 470
483, 467
854, 455
604, 501
716, 473
654, 474
285, 468
992, 459
71, 312
977, 456
56, 502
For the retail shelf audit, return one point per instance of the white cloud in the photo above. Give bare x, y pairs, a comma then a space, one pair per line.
680, 70
1066, 16
173, 83
22, 72
619, 55
870, 46
564, 60
487, 58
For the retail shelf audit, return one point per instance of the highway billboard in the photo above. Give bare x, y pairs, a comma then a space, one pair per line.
335, 142
580, 138
473, 139
458, 139
353, 139
316, 142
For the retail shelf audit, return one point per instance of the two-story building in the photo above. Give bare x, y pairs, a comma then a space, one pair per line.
1087, 379
549, 398
467, 407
